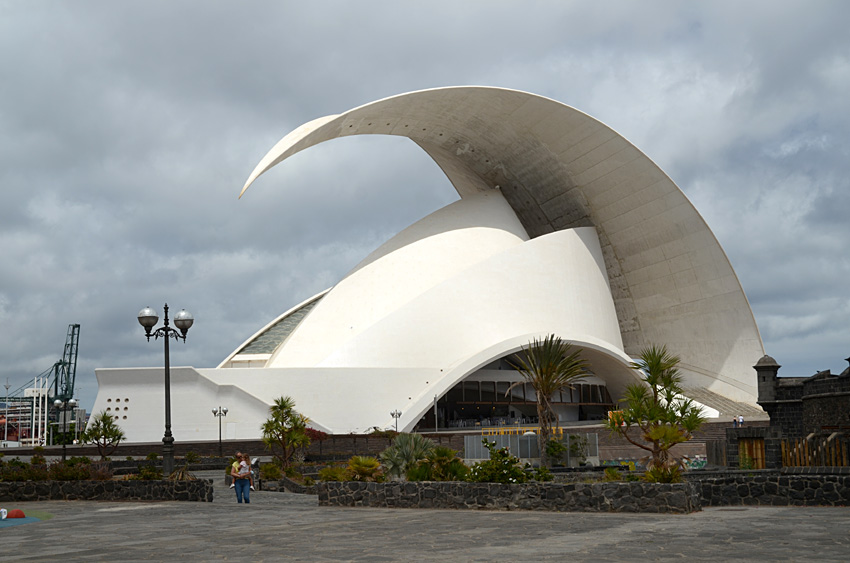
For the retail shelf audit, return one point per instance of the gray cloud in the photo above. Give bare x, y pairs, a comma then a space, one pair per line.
127, 130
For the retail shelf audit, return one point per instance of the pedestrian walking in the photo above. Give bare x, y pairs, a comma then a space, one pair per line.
241, 480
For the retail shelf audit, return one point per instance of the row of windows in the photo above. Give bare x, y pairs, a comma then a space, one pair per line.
117, 400
497, 392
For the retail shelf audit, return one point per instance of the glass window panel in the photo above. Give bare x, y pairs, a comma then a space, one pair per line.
471, 392
501, 390
488, 391
455, 394
518, 393
530, 396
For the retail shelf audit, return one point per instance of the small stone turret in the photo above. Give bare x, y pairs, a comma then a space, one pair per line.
767, 371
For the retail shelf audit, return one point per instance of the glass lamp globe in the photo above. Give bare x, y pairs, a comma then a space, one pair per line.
183, 320
148, 318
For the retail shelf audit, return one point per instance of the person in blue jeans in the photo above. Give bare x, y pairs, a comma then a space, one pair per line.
243, 483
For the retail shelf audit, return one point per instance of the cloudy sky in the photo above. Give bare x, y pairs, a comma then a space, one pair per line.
128, 128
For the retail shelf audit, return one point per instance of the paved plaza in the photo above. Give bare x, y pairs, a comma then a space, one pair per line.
283, 526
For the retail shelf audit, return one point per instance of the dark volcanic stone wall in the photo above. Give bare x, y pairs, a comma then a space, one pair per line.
777, 490
570, 497
200, 490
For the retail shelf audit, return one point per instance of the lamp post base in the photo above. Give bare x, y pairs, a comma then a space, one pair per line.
167, 456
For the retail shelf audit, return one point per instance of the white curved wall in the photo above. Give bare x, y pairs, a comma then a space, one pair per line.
439, 300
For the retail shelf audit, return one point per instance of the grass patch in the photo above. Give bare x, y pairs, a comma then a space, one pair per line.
39, 514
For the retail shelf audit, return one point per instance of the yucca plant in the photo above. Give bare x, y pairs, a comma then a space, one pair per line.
404, 452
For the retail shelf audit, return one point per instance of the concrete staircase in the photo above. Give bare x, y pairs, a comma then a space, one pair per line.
727, 407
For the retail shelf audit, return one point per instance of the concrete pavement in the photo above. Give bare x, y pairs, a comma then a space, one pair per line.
283, 526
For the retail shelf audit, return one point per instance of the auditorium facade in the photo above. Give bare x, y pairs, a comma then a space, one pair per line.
562, 227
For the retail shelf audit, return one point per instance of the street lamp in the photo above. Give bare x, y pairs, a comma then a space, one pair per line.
219, 412
6, 416
182, 320
62, 408
396, 414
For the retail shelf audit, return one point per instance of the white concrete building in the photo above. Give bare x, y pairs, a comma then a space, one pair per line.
563, 227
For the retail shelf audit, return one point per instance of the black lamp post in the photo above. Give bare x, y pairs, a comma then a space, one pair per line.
62, 408
182, 320
219, 412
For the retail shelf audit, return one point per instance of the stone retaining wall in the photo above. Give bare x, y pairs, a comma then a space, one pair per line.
776, 490
200, 490
561, 497
286, 484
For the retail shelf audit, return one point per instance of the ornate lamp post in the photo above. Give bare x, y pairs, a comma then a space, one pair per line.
219, 412
62, 407
182, 320
6, 417
396, 414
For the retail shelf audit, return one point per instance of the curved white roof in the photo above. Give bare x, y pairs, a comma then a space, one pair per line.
559, 168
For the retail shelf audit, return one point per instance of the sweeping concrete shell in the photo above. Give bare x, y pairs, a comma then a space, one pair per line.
604, 250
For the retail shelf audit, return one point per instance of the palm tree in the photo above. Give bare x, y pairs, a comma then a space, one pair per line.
658, 410
285, 429
549, 365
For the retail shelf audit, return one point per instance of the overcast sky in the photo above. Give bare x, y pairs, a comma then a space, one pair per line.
128, 128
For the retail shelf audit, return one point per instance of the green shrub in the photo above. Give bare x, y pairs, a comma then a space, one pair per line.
67, 471
442, 464
21, 471
79, 460
309, 482
541, 473
192, 457
555, 451
333, 473
153, 456
270, 472
365, 468
150, 473
378, 433
663, 475
291, 472
38, 458
502, 467
612, 474
744, 460
405, 451
100, 471
129, 458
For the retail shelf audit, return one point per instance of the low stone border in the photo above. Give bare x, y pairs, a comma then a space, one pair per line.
288, 485
200, 490
678, 498
777, 490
